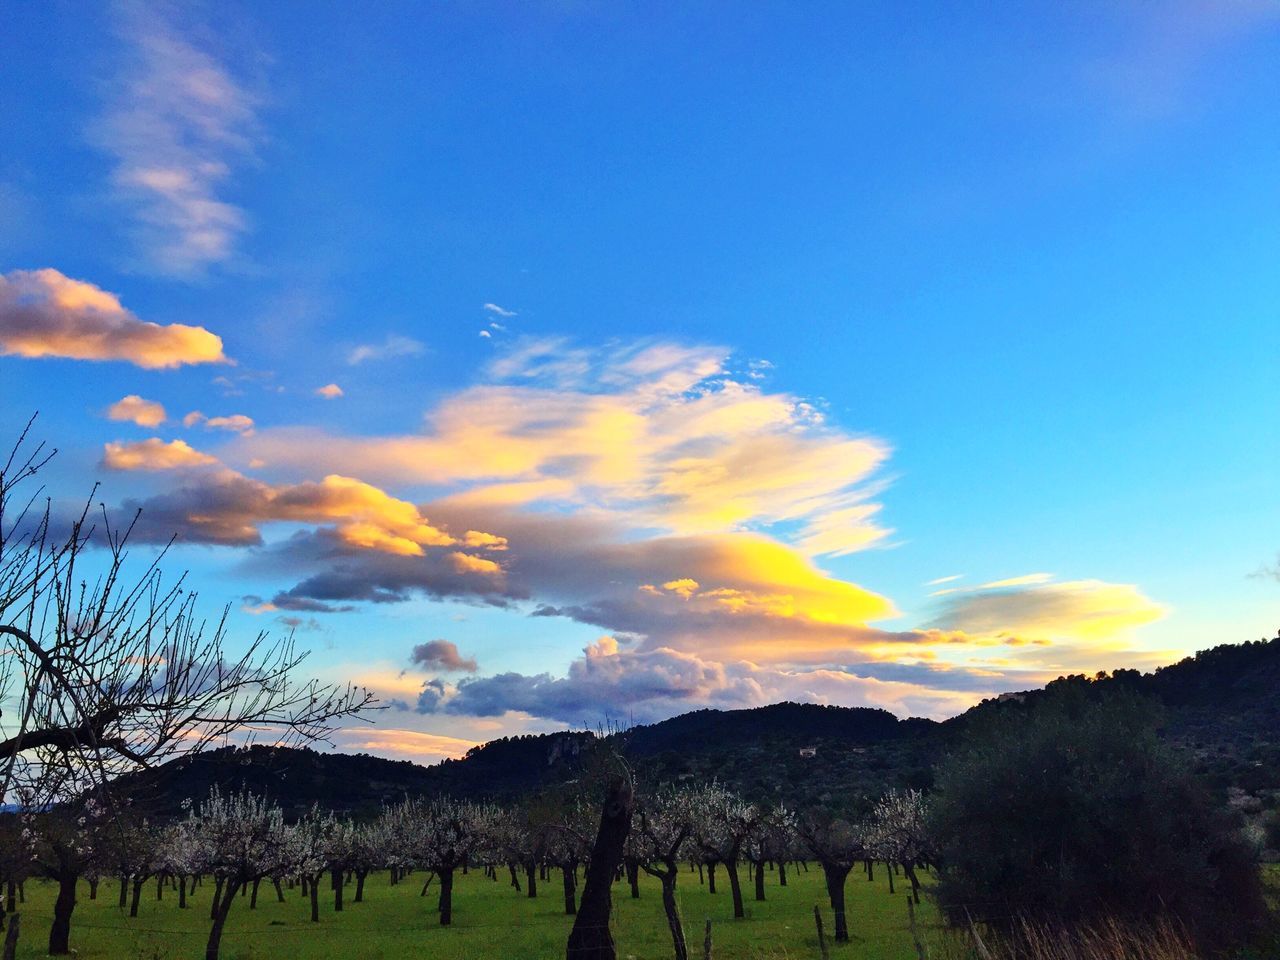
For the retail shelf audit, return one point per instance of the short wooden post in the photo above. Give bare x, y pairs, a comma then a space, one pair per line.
921, 952
706, 942
822, 937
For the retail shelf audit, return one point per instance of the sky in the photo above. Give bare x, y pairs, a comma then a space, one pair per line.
544, 365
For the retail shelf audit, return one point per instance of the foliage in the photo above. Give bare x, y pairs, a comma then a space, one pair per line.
1076, 811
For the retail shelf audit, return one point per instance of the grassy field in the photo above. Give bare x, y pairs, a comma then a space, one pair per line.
490, 921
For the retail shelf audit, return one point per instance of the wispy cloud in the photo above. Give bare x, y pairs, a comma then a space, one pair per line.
236, 422
392, 347
500, 311
175, 123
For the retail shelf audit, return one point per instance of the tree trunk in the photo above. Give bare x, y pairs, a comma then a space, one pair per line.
160, 887
910, 870
339, 881
137, 895
446, 896
218, 885
591, 938
182, 892
735, 888
668, 878
253, 897
313, 889
11, 938
93, 889
570, 874
531, 879
221, 907
124, 891
889, 871
60, 932
711, 877
759, 881
633, 875
515, 877
835, 875
360, 875
782, 873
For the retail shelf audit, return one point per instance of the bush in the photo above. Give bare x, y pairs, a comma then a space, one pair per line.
1069, 810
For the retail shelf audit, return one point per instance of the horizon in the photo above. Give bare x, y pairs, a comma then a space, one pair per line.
558, 363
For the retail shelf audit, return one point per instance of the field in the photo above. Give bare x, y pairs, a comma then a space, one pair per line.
490, 921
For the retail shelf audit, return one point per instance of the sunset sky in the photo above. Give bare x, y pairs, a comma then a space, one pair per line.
543, 363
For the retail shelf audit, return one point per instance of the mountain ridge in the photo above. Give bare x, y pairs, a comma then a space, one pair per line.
1221, 705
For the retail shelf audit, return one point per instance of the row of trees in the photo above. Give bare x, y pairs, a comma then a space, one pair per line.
238, 842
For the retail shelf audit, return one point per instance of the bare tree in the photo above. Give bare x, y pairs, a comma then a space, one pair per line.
106, 667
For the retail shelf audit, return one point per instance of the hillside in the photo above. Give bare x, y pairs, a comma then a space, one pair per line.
1222, 706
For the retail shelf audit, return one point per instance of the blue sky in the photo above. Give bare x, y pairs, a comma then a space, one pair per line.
679, 347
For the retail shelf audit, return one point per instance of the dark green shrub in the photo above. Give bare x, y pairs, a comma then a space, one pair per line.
1070, 810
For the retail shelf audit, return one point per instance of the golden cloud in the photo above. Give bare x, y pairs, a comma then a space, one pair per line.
154, 454
44, 313
658, 433
133, 409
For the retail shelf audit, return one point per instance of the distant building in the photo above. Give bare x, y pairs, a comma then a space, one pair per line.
808, 752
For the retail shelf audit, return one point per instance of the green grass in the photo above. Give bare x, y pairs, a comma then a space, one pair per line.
490, 921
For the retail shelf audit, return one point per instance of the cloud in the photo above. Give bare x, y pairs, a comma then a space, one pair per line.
650, 685
1024, 580
653, 431
494, 308
392, 347
154, 454
175, 123
133, 409
44, 313
441, 655
641, 490
410, 744
236, 422
1091, 612
941, 580
330, 391
226, 508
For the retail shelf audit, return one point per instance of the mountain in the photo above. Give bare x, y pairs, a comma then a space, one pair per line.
1222, 706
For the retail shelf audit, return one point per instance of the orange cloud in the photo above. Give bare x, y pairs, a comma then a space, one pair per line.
46, 314
330, 391
410, 744
133, 409
466, 563
154, 454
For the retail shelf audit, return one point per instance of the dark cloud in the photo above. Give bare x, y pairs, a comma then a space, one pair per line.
655, 684
442, 655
